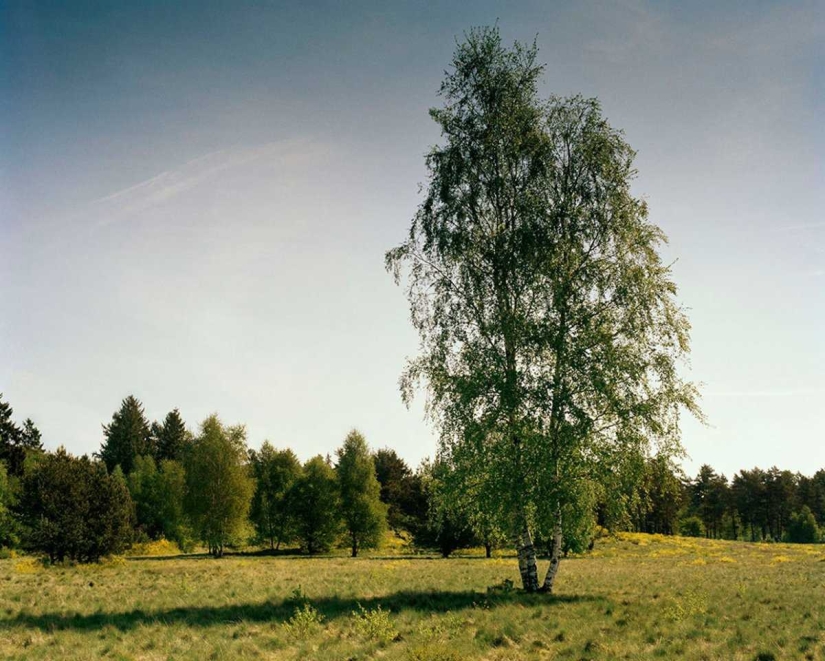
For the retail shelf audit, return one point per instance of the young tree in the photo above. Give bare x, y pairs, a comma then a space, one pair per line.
158, 493
73, 508
218, 486
363, 513
317, 506
127, 437
275, 473
170, 438
550, 334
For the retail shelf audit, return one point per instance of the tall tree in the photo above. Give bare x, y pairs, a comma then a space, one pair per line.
275, 473
710, 499
16, 443
363, 513
317, 506
218, 485
126, 437
549, 328
170, 437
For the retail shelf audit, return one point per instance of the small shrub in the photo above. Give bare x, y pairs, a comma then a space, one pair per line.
374, 624
305, 620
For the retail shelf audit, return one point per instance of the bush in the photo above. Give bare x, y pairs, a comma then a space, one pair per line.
692, 526
374, 624
73, 509
802, 528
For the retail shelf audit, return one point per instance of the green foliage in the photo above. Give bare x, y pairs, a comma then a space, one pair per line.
660, 496
8, 525
127, 437
692, 526
401, 490
17, 444
661, 598
73, 509
218, 486
317, 506
549, 327
364, 515
305, 621
802, 528
447, 527
170, 439
158, 494
374, 624
275, 473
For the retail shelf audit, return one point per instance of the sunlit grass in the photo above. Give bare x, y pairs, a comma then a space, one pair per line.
634, 597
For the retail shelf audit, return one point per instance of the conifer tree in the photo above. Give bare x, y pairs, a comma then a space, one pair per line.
16, 443
127, 436
170, 437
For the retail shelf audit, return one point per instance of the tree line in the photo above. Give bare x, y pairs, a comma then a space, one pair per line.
159, 480
755, 505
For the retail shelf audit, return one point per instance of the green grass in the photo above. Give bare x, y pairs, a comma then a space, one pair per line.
637, 597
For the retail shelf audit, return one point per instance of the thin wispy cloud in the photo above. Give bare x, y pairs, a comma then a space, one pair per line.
168, 184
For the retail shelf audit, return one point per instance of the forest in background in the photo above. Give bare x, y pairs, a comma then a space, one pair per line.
160, 480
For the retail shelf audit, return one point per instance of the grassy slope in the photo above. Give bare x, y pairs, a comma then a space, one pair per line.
636, 597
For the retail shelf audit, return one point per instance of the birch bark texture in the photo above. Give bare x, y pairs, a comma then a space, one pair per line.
550, 335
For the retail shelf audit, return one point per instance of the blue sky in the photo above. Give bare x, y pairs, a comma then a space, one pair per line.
195, 199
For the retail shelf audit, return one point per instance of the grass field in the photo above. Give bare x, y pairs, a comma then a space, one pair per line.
635, 597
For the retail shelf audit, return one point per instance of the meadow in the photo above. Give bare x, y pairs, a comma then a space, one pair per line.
634, 597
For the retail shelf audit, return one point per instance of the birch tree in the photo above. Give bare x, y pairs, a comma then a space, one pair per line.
218, 485
550, 334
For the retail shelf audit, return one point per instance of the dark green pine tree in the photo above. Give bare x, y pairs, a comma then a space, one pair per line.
16, 443
170, 437
30, 436
127, 437
10, 435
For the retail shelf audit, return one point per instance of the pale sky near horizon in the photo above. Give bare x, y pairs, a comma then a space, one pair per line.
195, 201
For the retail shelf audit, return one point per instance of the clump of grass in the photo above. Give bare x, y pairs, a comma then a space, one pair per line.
432, 652
693, 603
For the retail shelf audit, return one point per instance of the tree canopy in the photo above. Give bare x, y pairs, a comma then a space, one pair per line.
549, 328
272, 513
218, 486
364, 515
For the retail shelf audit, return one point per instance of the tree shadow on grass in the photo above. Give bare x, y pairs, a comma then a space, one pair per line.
280, 611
